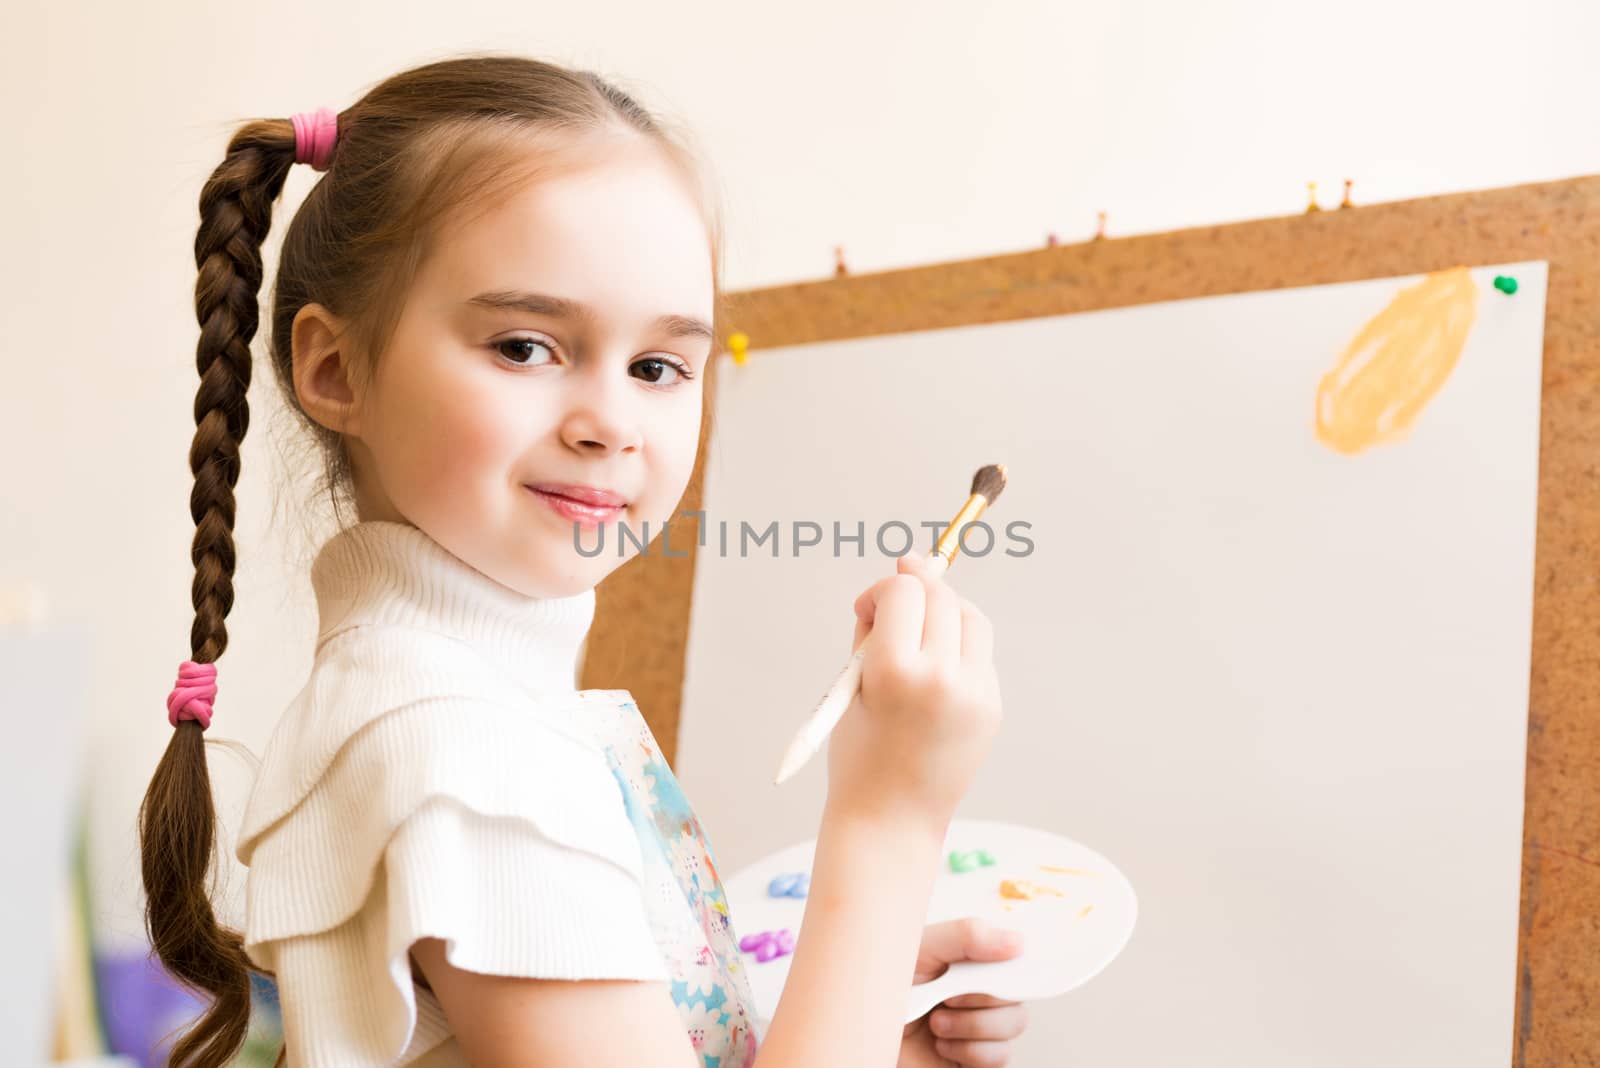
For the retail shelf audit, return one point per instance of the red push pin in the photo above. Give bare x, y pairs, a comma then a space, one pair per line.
1051, 240
1346, 202
839, 269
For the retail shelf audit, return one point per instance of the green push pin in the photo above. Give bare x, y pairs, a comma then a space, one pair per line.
1505, 284
960, 863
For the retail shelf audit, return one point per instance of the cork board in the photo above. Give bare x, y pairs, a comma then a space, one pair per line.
641, 633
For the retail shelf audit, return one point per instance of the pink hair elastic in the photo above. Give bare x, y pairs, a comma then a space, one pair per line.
314, 135
192, 696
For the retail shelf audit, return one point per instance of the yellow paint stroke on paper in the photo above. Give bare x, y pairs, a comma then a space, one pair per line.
1086, 910
1397, 363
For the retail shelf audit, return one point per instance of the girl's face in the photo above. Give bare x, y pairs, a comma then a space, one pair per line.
545, 377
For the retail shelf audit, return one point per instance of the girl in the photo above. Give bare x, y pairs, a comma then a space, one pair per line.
496, 314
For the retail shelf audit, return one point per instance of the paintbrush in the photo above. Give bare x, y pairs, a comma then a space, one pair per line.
986, 486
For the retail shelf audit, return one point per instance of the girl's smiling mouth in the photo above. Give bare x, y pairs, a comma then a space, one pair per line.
585, 505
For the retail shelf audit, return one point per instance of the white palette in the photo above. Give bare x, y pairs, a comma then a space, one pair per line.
1067, 940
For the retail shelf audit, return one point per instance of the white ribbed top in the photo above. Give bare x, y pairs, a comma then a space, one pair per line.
380, 572
433, 778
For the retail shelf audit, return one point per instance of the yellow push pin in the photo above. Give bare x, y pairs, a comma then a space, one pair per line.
739, 346
1311, 193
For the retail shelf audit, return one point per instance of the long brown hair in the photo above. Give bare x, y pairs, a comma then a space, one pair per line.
424, 145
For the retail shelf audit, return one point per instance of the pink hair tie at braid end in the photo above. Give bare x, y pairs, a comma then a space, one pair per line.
314, 135
192, 696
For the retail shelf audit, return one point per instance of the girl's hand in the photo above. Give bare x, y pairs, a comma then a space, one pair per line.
908, 746
973, 1030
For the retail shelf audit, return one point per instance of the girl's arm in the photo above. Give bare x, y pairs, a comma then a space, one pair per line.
844, 1002
506, 1022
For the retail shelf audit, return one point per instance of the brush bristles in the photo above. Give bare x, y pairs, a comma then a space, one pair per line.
989, 481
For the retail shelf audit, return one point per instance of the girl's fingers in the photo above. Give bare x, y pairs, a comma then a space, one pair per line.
974, 1054
866, 603
946, 619
977, 635
977, 1001
897, 617
941, 624
1000, 1024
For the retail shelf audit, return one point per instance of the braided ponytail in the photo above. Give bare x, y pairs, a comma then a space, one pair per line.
177, 819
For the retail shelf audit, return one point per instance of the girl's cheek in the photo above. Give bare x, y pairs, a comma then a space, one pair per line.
678, 441
452, 442
487, 434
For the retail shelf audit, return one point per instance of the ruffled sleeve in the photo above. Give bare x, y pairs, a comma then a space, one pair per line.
474, 821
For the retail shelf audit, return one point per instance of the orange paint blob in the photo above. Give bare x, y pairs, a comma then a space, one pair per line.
1023, 890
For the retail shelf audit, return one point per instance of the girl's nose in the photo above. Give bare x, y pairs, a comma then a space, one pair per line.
600, 421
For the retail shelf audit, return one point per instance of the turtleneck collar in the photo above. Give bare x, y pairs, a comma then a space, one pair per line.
378, 571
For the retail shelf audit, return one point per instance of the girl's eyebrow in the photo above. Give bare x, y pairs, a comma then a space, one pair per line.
562, 308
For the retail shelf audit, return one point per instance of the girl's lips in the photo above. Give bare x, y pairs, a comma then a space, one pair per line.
593, 495
580, 512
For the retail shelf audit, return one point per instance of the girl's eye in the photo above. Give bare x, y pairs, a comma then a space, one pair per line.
519, 346
663, 372
654, 370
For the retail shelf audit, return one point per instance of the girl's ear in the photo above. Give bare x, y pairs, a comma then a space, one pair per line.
324, 378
